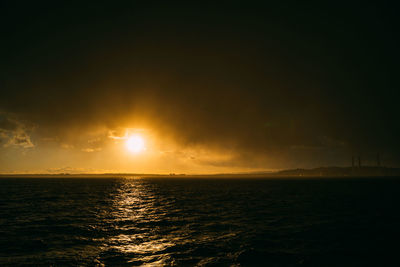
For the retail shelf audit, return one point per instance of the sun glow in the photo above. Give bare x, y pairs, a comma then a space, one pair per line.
135, 144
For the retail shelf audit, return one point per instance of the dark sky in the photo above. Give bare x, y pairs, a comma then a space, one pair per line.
301, 84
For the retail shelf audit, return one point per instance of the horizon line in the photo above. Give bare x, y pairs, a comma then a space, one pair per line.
264, 172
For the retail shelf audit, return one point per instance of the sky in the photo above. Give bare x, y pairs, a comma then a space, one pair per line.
233, 86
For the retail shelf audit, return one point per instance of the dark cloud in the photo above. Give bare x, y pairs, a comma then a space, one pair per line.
14, 132
264, 80
21, 139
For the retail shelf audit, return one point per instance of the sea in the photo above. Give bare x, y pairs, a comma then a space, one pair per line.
190, 221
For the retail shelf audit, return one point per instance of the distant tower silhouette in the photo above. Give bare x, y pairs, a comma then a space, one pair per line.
378, 160
359, 162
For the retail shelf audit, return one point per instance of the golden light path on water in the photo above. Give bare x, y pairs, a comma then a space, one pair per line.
135, 210
162, 222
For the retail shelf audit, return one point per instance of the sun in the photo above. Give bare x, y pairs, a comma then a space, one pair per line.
135, 144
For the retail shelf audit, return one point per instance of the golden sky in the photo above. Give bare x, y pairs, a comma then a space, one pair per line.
207, 88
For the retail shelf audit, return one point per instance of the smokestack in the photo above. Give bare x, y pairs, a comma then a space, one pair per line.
378, 160
359, 162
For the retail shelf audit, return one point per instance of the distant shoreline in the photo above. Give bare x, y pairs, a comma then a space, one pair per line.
367, 171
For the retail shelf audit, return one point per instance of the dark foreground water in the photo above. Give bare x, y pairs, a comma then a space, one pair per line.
203, 222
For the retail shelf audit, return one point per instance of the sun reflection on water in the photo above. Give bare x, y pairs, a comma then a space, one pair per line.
135, 222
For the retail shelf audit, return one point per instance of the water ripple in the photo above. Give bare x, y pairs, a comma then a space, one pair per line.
174, 222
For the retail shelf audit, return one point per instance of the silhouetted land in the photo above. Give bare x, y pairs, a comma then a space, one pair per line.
366, 171
342, 171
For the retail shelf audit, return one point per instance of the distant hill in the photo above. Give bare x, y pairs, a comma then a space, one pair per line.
342, 171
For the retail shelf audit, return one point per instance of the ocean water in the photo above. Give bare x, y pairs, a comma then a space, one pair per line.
199, 222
